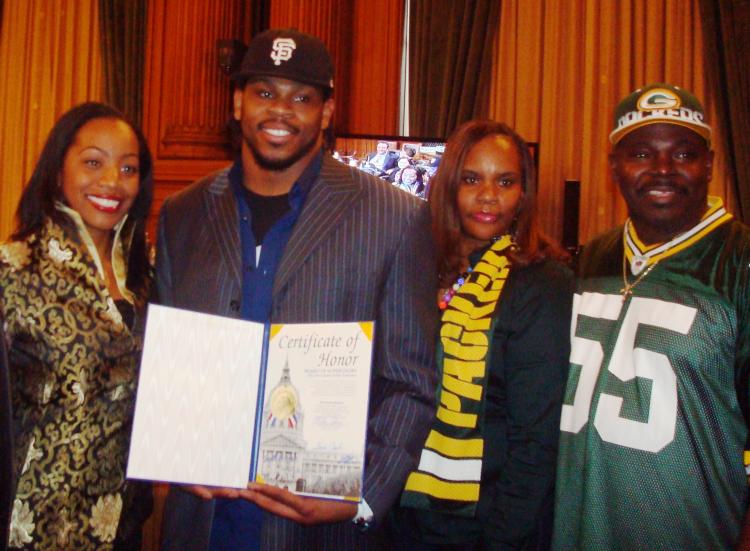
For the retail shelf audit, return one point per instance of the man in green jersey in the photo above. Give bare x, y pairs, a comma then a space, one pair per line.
654, 422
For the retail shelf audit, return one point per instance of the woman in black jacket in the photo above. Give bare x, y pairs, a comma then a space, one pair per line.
486, 474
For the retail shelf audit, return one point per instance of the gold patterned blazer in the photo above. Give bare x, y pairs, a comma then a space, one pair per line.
73, 370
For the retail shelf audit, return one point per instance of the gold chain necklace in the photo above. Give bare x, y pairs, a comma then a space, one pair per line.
627, 289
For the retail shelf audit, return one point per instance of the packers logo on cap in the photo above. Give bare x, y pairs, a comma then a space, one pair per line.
658, 98
659, 103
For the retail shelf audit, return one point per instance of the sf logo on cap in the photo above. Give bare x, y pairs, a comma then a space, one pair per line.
658, 98
283, 48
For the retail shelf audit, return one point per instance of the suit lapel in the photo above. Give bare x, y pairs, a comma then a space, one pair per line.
329, 201
222, 216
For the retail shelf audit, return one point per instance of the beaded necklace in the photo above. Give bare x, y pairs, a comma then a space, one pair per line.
447, 294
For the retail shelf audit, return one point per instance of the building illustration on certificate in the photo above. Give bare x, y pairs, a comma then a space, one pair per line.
287, 460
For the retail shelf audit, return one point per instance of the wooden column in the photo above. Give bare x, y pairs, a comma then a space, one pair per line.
365, 41
187, 97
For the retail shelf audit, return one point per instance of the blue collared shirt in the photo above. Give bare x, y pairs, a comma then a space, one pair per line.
237, 523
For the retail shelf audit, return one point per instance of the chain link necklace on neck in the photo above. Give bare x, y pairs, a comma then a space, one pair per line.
627, 289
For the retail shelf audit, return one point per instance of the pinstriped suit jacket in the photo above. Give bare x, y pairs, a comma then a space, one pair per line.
360, 250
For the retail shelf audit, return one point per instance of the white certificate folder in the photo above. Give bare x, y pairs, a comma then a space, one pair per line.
223, 401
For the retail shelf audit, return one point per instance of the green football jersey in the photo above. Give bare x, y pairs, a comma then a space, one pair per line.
654, 426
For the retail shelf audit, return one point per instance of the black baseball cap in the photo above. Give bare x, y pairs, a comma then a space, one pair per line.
290, 54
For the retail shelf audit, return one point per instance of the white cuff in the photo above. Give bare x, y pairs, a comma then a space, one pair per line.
364, 517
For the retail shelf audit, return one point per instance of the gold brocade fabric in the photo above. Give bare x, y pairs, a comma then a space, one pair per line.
73, 365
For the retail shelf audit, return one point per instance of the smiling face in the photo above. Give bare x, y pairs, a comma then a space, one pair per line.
100, 174
282, 122
490, 189
663, 171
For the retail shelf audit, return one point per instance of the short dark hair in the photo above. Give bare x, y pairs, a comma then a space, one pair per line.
42, 190
443, 199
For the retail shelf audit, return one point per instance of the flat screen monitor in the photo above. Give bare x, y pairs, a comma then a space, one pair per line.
405, 161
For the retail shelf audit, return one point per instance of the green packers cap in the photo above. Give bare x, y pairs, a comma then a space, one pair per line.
290, 54
659, 103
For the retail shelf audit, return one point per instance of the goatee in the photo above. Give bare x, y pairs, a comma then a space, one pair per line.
280, 164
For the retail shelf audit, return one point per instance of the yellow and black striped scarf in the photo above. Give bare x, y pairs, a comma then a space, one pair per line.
450, 467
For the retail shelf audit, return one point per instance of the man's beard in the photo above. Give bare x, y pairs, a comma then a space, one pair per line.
279, 165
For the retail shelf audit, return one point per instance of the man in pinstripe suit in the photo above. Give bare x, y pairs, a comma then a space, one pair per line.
288, 234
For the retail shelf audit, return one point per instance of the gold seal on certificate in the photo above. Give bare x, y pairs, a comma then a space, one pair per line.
283, 403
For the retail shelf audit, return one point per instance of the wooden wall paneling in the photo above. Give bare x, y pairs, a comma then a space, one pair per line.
331, 21
187, 101
190, 93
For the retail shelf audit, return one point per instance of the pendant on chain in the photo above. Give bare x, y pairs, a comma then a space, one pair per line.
627, 290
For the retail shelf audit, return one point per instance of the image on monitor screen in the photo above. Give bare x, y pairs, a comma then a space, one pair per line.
406, 162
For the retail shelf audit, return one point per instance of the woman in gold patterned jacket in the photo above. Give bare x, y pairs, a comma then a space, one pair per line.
74, 281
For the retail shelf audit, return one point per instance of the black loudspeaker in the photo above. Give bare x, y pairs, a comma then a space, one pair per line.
571, 215
230, 53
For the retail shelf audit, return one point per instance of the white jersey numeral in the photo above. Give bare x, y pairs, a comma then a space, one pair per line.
626, 363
